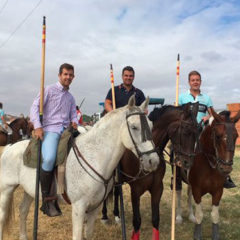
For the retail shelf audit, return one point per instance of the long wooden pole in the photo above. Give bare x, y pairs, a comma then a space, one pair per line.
35, 228
124, 236
112, 84
174, 164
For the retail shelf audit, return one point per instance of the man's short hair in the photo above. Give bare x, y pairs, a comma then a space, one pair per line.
66, 66
1, 105
193, 73
128, 68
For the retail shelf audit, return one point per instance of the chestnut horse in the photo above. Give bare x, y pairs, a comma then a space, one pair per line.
16, 125
177, 124
212, 165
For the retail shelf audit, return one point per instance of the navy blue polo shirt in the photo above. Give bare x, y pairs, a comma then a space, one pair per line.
122, 95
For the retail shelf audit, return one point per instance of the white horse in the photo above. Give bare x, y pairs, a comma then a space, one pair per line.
102, 147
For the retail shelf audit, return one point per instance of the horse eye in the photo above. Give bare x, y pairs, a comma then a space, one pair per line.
134, 128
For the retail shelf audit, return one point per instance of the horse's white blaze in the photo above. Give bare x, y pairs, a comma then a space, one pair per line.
102, 147
199, 213
215, 214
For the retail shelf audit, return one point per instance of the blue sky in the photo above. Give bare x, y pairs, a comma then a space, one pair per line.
147, 35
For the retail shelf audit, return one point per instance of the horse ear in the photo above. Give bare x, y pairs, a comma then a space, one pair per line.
144, 105
236, 117
131, 101
194, 109
216, 116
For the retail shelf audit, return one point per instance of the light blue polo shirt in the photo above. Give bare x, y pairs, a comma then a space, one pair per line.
1, 115
204, 102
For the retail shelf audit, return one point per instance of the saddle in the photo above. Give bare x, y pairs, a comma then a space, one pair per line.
30, 157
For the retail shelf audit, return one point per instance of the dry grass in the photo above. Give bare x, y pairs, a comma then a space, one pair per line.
61, 228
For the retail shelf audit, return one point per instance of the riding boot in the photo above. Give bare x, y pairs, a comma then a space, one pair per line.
229, 183
49, 198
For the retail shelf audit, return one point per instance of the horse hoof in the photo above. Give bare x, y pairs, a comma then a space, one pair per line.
215, 232
198, 232
117, 220
179, 220
192, 218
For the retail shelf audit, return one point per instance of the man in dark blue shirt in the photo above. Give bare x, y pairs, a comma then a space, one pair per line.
124, 91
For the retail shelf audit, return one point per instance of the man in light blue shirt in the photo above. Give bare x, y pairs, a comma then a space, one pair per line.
205, 103
59, 111
194, 95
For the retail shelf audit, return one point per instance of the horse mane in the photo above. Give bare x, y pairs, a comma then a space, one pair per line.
13, 121
226, 114
158, 112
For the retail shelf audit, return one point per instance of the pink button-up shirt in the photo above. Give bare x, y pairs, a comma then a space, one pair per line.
59, 109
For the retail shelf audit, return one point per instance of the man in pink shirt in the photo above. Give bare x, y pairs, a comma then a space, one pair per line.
59, 111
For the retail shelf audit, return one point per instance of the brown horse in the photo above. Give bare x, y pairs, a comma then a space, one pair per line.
211, 166
177, 124
17, 125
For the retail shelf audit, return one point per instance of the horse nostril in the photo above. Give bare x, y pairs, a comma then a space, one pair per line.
150, 162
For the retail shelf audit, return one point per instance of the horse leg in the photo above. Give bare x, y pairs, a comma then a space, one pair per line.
179, 218
104, 219
215, 221
78, 216
191, 216
6, 207
23, 212
155, 200
216, 197
89, 226
198, 225
136, 215
116, 205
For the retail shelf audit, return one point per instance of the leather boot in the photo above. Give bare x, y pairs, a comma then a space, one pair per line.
229, 183
49, 199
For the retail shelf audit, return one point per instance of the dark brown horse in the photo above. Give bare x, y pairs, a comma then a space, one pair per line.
211, 166
177, 124
19, 127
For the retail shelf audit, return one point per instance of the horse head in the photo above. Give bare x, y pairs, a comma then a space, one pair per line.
184, 135
136, 135
220, 146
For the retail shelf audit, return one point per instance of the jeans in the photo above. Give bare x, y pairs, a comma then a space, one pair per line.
49, 150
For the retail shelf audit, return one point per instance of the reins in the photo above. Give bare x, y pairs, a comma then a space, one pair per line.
104, 181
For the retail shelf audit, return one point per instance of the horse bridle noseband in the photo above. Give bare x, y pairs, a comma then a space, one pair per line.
230, 146
145, 132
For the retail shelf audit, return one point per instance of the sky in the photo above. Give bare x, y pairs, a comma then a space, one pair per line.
147, 35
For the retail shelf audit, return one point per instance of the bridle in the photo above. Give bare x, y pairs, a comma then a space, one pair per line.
229, 126
146, 134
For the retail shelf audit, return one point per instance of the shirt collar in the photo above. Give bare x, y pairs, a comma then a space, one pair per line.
132, 89
191, 94
60, 87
